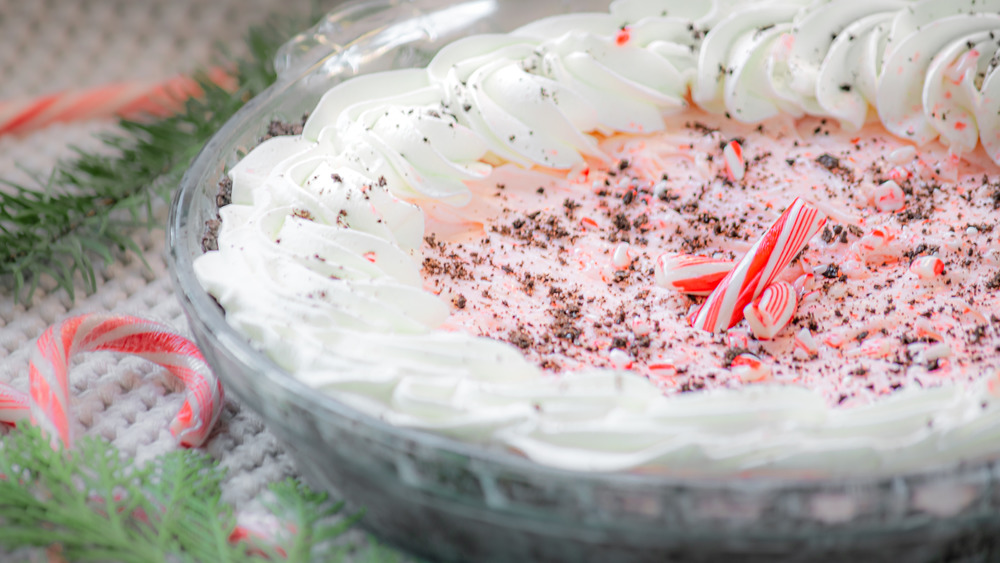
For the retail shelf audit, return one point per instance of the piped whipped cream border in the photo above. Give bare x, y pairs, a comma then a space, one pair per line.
339, 302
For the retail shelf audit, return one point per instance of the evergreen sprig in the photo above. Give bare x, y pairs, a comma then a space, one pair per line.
68, 223
94, 504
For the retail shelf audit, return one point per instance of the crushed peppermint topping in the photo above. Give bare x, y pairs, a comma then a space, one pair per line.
566, 268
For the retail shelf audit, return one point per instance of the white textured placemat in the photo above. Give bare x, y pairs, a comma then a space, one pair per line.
52, 45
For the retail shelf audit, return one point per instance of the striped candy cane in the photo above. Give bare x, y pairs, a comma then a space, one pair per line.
735, 165
48, 401
690, 273
124, 99
770, 312
13, 405
758, 268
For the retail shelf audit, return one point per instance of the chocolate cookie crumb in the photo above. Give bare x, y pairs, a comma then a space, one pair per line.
994, 282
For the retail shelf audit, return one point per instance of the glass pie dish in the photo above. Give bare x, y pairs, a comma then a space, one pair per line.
456, 501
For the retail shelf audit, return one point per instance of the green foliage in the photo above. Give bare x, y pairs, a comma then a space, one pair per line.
93, 504
75, 219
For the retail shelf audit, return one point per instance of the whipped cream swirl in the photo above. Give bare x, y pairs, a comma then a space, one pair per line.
319, 253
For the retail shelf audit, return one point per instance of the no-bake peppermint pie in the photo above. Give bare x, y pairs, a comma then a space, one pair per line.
688, 237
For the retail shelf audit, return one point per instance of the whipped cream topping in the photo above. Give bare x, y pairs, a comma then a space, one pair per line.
320, 253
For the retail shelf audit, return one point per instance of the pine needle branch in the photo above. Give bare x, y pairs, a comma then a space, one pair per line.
83, 214
93, 504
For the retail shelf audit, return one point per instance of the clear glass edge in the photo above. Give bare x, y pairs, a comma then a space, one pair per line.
201, 309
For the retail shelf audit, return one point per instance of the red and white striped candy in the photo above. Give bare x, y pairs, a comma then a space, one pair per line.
124, 99
759, 267
737, 338
13, 405
772, 311
899, 174
735, 165
877, 347
804, 339
749, 368
690, 273
875, 240
49, 370
804, 283
927, 267
889, 197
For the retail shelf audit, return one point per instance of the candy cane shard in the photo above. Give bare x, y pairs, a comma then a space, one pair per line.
889, 197
49, 368
749, 368
690, 273
772, 311
759, 267
735, 165
804, 339
804, 283
927, 267
737, 338
13, 405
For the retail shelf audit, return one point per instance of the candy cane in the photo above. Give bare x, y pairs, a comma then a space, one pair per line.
13, 405
690, 273
735, 165
124, 99
49, 369
758, 268
772, 311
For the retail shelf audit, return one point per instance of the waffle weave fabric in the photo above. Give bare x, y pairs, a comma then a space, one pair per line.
55, 45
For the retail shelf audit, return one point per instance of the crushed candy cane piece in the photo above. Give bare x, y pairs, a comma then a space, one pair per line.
620, 358
690, 273
927, 267
899, 174
735, 165
804, 283
772, 311
877, 347
874, 240
622, 256
889, 197
749, 368
641, 327
808, 296
662, 368
737, 338
804, 339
